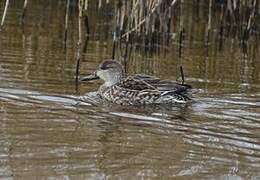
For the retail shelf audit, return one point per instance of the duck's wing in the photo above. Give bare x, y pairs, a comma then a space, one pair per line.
138, 83
164, 86
147, 78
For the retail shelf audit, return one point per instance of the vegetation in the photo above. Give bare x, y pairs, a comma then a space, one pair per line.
155, 23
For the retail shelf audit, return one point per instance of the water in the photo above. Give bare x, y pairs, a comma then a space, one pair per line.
47, 131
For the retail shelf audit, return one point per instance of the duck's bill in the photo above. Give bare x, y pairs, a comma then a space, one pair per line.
89, 77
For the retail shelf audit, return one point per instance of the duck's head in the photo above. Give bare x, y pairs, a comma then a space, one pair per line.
110, 71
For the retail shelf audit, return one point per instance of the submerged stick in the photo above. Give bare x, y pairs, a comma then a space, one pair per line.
114, 46
209, 22
221, 31
80, 6
4, 14
182, 75
116, 29
86, 22
66, 23
24, 11
181, 30
126, 55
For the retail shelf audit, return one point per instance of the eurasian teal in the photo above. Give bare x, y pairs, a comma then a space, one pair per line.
138, 89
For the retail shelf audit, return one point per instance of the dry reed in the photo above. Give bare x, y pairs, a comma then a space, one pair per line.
4, 14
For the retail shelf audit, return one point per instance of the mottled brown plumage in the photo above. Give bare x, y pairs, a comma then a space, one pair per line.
139, 89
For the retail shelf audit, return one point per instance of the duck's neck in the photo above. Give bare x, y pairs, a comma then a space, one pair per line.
110, 81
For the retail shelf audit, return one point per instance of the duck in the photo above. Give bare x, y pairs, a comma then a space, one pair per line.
138, 89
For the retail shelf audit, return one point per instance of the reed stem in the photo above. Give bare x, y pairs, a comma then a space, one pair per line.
66, 23
181, 29
209, 22
80, 7
4, 14
24, 11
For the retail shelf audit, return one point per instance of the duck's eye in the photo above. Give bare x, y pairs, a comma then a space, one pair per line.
103, 68
106, 67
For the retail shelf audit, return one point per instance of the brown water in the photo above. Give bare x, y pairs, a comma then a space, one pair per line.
47, 132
